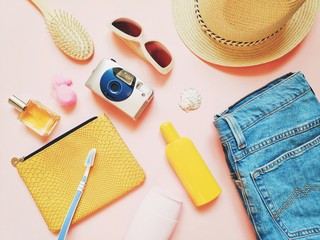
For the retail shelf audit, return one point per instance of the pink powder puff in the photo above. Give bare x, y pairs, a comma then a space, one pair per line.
62, 92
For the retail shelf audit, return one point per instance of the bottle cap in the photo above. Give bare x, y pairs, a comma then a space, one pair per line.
17, 103
169, 133
156, 217
163, 203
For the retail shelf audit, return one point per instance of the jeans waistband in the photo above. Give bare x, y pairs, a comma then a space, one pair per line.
258, 105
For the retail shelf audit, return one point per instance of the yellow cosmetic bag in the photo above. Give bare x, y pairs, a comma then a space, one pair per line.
53, 172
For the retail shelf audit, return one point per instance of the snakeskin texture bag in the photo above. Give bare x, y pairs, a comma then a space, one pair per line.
52, 173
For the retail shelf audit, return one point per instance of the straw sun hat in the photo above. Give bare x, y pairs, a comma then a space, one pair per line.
243, 32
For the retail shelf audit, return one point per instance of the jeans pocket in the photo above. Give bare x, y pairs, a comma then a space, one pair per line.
289, 186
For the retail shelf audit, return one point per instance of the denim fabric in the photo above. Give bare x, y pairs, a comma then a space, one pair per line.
271, 139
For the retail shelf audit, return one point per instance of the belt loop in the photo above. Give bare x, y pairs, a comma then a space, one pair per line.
236, 131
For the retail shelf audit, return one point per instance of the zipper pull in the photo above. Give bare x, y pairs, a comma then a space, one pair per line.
15, 161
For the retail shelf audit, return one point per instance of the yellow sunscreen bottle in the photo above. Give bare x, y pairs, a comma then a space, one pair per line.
189, 166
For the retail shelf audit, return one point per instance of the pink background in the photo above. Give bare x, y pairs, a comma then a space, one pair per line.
29, 60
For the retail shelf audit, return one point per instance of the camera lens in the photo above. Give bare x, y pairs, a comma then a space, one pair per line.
115, 87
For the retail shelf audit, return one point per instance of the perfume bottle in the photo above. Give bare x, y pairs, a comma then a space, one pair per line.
189, 166
35, 116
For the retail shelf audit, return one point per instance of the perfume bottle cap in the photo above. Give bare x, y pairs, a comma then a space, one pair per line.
169, 133
17, 103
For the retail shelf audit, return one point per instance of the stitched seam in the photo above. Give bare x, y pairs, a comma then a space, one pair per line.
279, 137
232, 153
256, 174
272, 112
289, 133
246, 200
266, 205
295, 234
266, 91
236, 130
278, 108
261, 94
293, 153
297, 192
244, 196
258, 96
296, 152
228, 151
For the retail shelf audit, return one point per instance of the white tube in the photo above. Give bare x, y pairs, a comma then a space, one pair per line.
156, 216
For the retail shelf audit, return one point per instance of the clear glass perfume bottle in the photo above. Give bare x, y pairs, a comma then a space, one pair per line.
35, 115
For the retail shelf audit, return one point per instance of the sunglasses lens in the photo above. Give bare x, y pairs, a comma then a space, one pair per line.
128, 26
159, 53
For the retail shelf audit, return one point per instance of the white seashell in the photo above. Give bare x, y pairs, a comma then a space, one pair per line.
190, 99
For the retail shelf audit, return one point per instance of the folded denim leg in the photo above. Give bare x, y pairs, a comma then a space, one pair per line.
272, 145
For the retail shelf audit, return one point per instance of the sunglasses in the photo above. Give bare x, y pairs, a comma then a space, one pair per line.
152, 51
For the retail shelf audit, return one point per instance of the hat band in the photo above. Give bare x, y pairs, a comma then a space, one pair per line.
223, 40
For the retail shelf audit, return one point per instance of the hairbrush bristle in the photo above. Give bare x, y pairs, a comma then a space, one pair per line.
69, 35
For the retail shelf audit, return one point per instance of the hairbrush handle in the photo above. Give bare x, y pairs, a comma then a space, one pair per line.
42, 6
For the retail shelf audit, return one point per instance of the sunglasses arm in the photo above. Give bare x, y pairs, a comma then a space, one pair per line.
135, 46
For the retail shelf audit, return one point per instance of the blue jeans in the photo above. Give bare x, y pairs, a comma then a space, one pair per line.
271, 140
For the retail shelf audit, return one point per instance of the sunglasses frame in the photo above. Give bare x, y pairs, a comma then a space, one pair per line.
137, 44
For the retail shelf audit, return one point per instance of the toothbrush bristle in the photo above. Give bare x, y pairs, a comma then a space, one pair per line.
90, 158
69, 35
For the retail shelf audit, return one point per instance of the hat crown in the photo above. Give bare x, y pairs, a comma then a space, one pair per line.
246, 20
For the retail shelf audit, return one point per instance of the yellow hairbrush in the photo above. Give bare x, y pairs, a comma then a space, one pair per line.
66, 31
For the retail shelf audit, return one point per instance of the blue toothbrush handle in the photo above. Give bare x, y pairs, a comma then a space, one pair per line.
68, 219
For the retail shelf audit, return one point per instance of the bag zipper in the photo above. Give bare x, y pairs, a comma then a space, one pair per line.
15, 161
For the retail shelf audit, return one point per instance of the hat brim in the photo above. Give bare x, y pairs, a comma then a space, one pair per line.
215, 52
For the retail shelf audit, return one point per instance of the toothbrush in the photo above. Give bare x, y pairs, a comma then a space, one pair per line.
66, 31
67, 221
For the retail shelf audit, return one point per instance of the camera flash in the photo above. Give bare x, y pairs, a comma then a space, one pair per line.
125, 76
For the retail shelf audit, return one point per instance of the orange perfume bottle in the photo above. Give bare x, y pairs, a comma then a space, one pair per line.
35, 115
